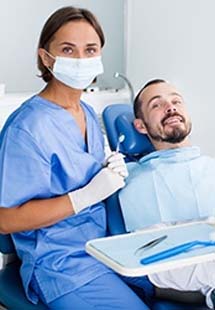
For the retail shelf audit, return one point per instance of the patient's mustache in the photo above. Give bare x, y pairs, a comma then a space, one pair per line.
172, 115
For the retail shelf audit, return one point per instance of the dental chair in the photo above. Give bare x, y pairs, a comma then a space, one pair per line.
12, 295
117, 119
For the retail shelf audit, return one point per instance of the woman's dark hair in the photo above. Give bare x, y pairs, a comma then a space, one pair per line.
137, 103
55, 22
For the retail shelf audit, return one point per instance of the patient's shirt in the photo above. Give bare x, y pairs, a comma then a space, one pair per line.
167, 186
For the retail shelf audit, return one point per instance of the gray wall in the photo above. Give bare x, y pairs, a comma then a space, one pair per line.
20, 24
175, 40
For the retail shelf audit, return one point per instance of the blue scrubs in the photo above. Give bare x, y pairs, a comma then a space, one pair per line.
43, 154
168, 186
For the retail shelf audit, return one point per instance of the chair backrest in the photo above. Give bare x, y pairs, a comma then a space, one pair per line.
115, 221
118, 120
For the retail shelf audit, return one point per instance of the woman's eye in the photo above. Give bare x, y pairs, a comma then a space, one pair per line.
67, 50
91, 51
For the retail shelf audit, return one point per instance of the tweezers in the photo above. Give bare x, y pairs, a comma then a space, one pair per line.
149, 245
176, 250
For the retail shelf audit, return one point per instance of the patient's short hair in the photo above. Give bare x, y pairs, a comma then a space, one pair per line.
137, 103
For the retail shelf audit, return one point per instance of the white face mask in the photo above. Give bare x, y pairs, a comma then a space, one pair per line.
76, 73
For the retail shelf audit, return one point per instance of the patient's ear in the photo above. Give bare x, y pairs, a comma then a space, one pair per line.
139, 125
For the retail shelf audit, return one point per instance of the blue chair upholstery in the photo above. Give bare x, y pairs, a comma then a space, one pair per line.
6, 244
118, 119
12, 295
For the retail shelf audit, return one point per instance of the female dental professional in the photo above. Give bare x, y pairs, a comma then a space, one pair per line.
52, 177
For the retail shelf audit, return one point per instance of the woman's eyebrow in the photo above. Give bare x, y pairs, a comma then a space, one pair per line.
67, 43
73, 44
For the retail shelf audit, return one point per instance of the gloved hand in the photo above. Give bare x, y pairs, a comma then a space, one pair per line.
104, 183
116, 163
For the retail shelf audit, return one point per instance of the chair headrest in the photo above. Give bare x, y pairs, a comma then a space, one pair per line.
118, 120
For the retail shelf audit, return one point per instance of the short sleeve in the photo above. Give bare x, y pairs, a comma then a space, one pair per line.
24, 169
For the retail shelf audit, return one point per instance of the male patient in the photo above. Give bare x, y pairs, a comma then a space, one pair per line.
173, 183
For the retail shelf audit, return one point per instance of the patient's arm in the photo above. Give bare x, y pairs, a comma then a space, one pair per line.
35, 214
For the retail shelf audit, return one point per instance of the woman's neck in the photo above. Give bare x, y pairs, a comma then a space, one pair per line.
60, 94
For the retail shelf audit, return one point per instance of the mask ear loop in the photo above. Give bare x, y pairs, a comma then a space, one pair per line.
50, 55
53, 57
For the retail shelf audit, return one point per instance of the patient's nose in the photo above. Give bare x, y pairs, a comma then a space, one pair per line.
170, 107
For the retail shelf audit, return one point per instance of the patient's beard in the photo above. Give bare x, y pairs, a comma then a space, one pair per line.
176, 135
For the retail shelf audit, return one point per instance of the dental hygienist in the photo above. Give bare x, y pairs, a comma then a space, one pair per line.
52, 177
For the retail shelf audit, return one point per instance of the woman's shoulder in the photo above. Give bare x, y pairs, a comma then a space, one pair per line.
28, 116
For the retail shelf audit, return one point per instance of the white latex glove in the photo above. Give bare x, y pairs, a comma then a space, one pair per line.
104, 184
116, 163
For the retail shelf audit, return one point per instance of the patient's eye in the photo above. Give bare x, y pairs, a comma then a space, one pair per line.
177, 101
155, 104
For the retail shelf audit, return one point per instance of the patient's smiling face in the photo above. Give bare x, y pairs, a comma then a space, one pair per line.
165, 118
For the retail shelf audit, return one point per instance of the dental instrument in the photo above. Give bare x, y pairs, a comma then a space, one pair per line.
149, 245
176, 250
121, 138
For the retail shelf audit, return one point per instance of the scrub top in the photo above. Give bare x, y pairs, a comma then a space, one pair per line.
168, 186
43, 154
